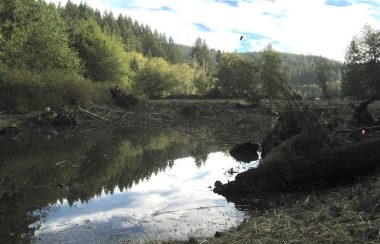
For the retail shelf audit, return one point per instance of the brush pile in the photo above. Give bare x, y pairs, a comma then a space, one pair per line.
309, 147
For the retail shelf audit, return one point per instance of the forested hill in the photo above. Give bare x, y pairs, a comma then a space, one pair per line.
77, 53
301, 69
134, 35
141, 38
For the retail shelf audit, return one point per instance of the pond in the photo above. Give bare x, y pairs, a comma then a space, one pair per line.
114, 186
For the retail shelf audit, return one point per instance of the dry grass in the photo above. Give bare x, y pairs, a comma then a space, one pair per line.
347, 214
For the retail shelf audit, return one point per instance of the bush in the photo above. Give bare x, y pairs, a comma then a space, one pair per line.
155, 79
22, 91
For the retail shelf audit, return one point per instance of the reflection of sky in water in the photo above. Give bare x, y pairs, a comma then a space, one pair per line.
175, 203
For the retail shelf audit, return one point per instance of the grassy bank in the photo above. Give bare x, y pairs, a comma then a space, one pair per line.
345, 214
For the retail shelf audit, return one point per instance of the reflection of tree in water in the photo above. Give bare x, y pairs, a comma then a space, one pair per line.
27, 180
37, 172
201, 147
200, 153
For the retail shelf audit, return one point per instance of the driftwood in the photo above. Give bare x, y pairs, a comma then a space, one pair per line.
65, 116
93, 114
303, 152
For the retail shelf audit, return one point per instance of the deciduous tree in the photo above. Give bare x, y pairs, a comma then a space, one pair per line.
362, 65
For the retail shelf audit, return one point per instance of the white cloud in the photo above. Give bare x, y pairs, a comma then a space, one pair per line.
180, 194
299, 26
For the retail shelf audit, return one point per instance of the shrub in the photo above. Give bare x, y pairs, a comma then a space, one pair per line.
22, 91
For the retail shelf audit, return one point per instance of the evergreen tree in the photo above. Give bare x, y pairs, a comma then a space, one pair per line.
173, 53
322, 70
201, 54
36, 39
99, 52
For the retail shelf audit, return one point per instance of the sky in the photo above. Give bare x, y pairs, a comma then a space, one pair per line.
317, 27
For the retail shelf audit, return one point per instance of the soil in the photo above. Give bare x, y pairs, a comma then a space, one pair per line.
232, 124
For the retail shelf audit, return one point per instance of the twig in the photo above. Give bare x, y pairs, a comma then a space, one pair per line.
93, 115
173, 211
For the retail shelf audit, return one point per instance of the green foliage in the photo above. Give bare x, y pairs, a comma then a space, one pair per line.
173, 52
154, 79
200, 53
362, 65
99, 52
184, 79
40, 39
272, 74
23, 91
301, 70
322, 74
237, 75
36, 39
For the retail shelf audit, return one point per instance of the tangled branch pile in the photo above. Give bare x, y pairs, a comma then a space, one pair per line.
305, 149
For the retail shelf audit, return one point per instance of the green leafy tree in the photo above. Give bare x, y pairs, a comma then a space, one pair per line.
236, 75
273, 77
362, 65
272, 74
155, 79
37, 39
99, 52
186, 80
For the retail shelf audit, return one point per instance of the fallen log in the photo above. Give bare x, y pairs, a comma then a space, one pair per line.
289, 174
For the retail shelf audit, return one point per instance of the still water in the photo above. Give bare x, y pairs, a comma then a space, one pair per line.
116, 186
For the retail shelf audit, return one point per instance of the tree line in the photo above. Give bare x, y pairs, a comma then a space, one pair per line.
54, 55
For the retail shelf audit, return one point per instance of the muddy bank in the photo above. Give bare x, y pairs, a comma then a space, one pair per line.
232, 123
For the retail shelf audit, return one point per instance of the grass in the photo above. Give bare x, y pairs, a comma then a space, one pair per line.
346, 214
22, 91
343, 214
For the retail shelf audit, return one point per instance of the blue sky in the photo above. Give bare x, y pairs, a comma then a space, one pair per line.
319, 27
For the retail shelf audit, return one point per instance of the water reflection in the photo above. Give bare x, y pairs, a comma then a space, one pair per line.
176, 202
111, 185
